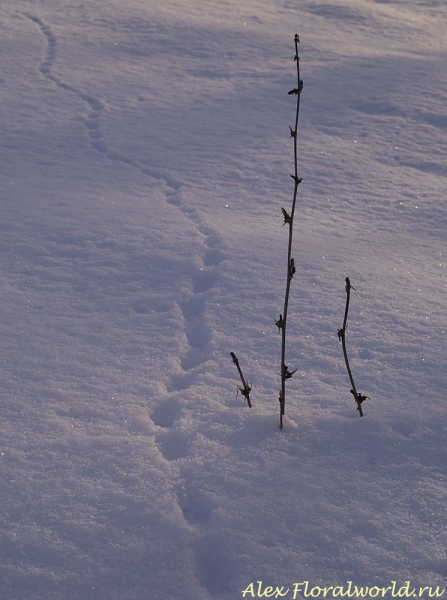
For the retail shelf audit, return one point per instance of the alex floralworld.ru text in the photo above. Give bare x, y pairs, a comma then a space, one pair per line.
258, 590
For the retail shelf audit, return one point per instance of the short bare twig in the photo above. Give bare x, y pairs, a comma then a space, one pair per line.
245, 389
342, 336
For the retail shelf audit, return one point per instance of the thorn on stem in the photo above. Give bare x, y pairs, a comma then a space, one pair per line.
292, 132
296, 179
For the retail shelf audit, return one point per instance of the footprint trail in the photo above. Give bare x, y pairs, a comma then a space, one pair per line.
173, 439
193, 307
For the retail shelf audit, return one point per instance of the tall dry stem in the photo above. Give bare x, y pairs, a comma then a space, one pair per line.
288, 219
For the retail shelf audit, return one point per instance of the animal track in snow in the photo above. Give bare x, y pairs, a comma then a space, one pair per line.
193, 306
196, 506
216, 564
165, 413
172, 437
197, 331
173, 443
96, 107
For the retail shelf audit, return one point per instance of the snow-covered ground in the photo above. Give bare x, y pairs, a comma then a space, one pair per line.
145, 157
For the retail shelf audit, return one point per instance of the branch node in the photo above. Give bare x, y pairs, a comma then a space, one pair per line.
348, 285
279, 323
359, 399
292, 269
245, 391
288, 374
287, 217
298, 90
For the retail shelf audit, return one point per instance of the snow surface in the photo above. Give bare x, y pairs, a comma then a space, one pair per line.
145, 157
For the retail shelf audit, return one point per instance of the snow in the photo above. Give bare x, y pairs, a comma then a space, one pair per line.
145, 157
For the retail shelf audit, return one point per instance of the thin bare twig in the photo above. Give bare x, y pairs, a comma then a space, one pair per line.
342, 336
245, 389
